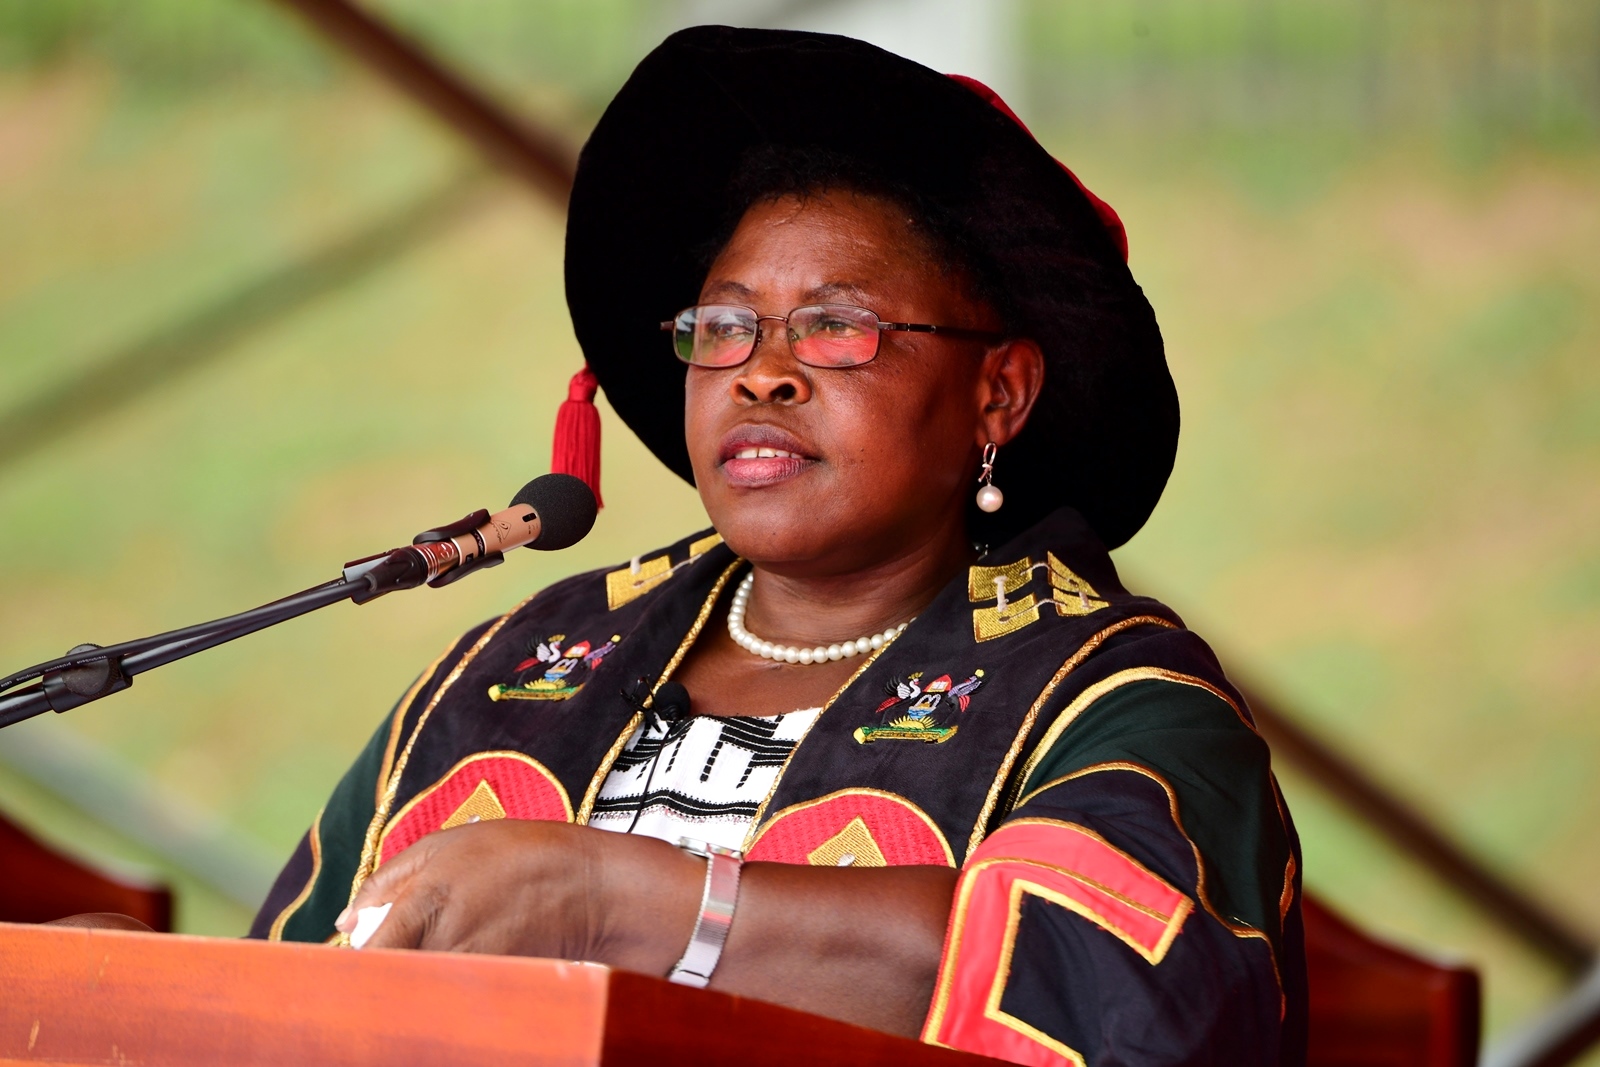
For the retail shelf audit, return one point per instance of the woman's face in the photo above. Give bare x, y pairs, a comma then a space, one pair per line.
874, 460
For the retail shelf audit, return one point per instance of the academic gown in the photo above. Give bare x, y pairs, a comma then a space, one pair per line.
1130, 876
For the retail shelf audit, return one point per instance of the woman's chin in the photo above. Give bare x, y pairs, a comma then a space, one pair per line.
782, 522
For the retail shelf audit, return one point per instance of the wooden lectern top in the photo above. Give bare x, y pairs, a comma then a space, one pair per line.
80, 996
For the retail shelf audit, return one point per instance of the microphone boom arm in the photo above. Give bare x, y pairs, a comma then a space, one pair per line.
550, 512
91, 672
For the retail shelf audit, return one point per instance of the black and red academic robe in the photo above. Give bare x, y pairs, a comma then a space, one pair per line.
1130, 887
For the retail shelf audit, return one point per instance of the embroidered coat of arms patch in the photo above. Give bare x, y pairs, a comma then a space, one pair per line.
553, 672
931, 712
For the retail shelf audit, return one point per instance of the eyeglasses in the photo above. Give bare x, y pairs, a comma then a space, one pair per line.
821, 335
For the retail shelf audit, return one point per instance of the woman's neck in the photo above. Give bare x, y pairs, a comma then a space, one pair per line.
819, 609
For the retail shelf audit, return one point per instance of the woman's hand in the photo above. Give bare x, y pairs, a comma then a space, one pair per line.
518, 887
856, 944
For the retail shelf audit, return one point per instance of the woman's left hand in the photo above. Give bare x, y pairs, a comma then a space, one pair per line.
519, 887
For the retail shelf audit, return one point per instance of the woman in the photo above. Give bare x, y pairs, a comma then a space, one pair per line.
981, 792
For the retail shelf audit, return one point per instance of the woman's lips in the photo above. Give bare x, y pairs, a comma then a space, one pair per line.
751, 467
762, 457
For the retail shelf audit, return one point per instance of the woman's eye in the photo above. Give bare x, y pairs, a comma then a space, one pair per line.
728, 330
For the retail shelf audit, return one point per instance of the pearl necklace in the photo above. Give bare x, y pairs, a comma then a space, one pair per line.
789, 653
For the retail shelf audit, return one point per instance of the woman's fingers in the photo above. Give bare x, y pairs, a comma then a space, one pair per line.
519, 887
442, 893
383, 886
407, 922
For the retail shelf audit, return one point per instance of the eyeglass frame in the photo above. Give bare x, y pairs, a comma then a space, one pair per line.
957, 332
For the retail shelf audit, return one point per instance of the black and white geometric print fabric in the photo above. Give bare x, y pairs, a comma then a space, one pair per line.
700, 777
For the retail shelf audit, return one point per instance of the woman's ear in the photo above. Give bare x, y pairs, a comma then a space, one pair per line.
1013, 376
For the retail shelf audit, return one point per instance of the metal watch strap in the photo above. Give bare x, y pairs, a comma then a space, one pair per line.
716, 913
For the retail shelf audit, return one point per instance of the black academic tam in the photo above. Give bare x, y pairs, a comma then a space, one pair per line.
651, 191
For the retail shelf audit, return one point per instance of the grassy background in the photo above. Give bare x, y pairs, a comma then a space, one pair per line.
1371, 232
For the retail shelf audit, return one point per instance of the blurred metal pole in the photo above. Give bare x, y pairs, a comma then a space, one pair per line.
87, 777
1541, 930
1558, 1037
538, 157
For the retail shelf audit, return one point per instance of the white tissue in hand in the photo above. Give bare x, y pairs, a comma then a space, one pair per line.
367, 922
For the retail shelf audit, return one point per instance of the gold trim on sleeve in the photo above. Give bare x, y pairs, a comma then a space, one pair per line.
1002, 975
951, 957
1286, 899
954, 935
1237, 929
1173, 920
276, 932
1084, 652
1011, 1022
1100, 689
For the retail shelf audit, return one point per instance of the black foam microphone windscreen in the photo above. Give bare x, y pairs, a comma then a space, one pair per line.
566, 508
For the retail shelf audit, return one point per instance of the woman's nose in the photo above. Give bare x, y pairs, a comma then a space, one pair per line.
771, 375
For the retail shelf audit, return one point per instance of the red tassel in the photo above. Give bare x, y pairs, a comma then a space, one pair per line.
577, 444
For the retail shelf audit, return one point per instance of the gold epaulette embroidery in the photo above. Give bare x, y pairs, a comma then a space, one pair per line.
1070, 594
627, 584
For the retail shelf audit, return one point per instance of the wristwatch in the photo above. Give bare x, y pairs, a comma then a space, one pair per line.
716, 912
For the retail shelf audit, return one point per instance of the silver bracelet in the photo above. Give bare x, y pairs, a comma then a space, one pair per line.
716, 912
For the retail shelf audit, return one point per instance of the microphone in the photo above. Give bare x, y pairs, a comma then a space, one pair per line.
551, 512
671, 703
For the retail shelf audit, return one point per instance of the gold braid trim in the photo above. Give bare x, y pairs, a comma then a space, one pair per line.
1237, 929
400, 713
593, 792
369, 845
761, 811
1073, 662
1069, 714
276, 932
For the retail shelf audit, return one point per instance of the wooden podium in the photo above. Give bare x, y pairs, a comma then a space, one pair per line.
78, 996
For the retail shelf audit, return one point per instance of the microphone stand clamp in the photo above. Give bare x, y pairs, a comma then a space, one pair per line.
73, 686
481, 560
407, 568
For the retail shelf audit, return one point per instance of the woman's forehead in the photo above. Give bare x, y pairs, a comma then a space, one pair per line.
831, 247
829, 292
862, 215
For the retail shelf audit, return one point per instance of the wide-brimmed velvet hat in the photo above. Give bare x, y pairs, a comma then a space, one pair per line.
652, 189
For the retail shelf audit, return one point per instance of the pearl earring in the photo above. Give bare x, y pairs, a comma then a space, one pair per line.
989, 497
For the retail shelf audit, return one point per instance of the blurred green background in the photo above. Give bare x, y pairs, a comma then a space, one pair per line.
259, 315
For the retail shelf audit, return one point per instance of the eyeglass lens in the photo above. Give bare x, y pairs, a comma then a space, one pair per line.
821, 335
